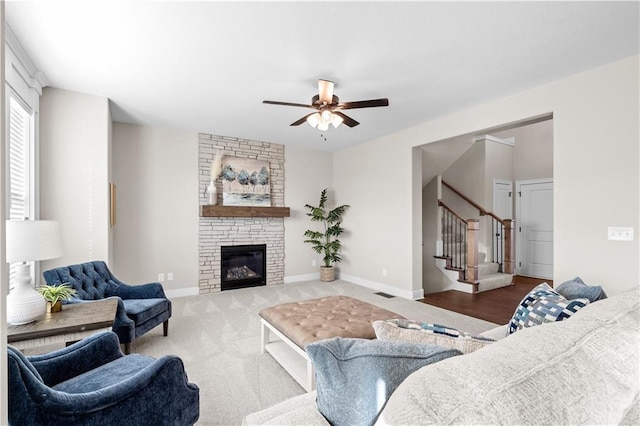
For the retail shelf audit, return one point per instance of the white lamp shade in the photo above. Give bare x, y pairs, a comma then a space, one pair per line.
29, 240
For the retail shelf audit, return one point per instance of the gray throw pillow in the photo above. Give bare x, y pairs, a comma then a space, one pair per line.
356, 377
577, 289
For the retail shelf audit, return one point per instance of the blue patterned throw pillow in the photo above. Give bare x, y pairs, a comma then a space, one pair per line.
541, 305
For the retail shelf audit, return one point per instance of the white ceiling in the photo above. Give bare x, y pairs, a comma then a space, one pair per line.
207, 66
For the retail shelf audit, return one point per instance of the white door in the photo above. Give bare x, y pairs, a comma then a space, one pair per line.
534, 223
502, 201
503, 208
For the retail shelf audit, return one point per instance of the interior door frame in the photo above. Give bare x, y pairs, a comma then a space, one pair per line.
519, 248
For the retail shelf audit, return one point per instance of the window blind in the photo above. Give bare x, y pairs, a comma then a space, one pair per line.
19, 143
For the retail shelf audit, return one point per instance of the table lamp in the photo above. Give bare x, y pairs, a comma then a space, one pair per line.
29, 240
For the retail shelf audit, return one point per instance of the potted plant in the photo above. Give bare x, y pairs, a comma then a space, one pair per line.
55, 294
327, 242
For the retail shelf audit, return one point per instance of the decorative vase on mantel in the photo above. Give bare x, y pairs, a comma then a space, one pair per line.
212, 194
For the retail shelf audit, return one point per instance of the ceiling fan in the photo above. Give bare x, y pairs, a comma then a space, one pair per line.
329, 109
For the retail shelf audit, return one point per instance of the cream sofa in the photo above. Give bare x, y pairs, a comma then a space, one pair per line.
584, 370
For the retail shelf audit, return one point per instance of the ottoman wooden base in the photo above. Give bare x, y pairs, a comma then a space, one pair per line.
297, 324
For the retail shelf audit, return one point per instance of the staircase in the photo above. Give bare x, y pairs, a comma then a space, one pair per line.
490, 277
460, 248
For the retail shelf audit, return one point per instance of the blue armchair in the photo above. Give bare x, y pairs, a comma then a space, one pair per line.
140, 308
92, 383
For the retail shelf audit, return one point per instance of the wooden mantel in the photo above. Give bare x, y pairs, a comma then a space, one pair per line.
243, 211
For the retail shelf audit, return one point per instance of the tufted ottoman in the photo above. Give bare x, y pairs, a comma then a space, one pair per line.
297, 324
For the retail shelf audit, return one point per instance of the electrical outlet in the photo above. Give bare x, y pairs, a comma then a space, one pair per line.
161, 277
617, 233
384, 272
313, 262
169, 276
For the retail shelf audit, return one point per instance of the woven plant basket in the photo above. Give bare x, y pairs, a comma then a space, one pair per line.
327, 273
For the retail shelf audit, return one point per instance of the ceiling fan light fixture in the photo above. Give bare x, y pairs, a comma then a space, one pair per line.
337, 120
313, 119
324, 103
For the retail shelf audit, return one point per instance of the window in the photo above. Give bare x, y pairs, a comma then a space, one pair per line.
19, 150
20, 170
24, 85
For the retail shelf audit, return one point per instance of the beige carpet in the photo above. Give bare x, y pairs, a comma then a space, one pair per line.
218, 338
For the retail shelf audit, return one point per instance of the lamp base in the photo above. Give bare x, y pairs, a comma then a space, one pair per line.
24, 304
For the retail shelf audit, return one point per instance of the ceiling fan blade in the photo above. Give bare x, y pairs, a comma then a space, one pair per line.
288, 104
325, 91
347, 120
302, 120
364, 104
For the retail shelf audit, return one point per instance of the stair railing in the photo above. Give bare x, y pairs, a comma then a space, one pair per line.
453, 231
501, 231
460, 244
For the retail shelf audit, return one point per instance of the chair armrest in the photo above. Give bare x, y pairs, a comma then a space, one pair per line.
165, 375
142, 291
78, 358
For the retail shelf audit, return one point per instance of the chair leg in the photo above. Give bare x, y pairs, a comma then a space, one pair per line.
127, 348
165, 328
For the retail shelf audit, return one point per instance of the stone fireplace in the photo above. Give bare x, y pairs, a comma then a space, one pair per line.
216, 232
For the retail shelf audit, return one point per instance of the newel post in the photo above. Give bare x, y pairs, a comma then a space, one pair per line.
508, 239
473, 228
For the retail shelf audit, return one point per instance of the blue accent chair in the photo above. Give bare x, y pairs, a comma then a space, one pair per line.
140, 308
92, 383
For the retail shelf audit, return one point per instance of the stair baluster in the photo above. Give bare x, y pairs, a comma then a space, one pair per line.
454, 240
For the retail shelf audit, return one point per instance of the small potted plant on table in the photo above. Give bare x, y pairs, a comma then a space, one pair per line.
55, 294
327, 242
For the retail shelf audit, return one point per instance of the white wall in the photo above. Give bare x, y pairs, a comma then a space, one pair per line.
596, 182
467, 175
375, 178
498, 165
156, 176
307, 173
533, 151
74, 167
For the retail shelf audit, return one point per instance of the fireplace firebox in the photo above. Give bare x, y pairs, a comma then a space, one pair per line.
243, 266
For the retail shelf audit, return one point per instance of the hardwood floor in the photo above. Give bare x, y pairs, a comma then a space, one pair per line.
495, 306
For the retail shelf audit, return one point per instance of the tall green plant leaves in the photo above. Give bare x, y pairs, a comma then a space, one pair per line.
326, 242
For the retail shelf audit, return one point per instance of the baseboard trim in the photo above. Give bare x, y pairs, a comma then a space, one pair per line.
303, 277
405, 294
182, 292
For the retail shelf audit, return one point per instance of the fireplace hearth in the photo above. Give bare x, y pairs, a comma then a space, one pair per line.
243, 266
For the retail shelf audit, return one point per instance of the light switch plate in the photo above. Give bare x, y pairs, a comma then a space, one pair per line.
619, 233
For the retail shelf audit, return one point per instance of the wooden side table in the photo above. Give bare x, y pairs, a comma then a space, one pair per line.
75, 322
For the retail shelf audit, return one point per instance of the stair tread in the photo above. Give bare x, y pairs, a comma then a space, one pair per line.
493, 281
497, 274
487, 268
